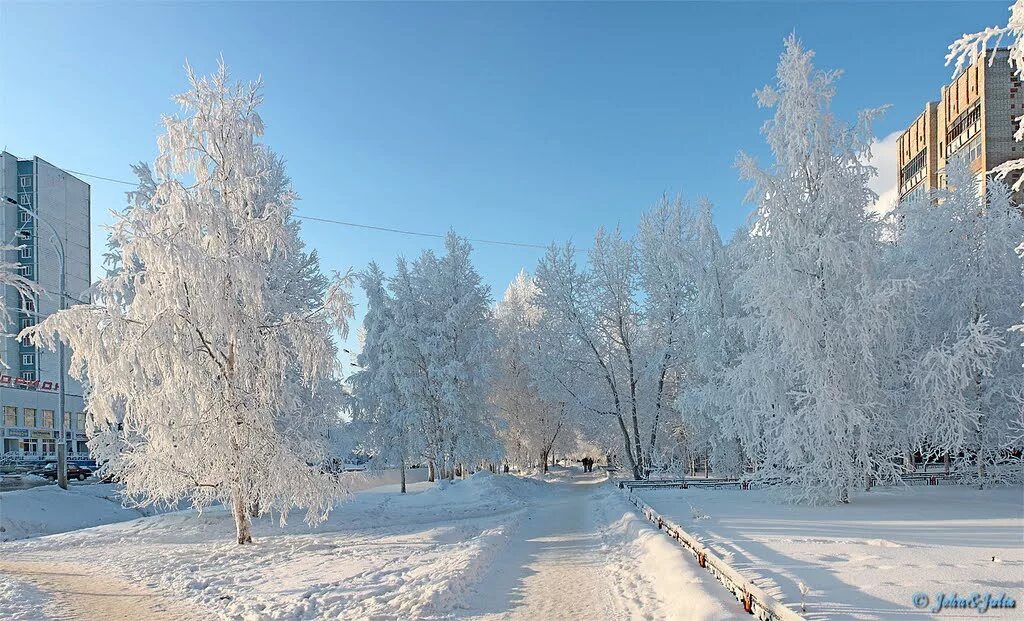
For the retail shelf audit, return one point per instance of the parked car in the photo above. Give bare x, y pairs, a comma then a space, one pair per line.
49, 471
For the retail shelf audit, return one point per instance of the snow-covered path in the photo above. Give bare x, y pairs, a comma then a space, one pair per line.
72, 591
575, 558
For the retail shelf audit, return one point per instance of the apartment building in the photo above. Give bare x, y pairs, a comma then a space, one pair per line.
43, 210
974, 118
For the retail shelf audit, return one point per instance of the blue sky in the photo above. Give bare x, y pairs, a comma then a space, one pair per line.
519, 121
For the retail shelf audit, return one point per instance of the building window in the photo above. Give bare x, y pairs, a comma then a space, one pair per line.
67, 421
28, 304
25, 199
80, 421
47, 419
28, 376
26, 216
965, 127
30, 446
26, 252
30, 417
28, 359
10, 416
26, 322
25, 181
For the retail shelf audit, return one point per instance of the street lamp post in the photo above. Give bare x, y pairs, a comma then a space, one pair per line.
58, 245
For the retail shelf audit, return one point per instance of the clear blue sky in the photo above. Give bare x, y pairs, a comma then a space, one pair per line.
526, 122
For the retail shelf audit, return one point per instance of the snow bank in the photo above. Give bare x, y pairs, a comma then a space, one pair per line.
380, 555
48, 509
867, 559
690, 592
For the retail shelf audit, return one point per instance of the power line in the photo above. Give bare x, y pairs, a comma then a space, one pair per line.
75, 172
419, 233
353, 224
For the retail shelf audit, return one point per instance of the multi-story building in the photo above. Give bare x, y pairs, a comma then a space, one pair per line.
975, 118
29, 386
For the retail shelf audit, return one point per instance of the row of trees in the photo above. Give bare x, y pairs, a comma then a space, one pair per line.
821, 348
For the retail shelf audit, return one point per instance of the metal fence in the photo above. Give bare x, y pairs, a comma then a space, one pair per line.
754, 600
911, 478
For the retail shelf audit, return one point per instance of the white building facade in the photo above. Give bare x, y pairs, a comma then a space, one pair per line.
29, 388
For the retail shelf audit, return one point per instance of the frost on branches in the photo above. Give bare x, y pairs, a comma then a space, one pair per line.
379, 407
532, 424
812, 376
425, 370
209, 353
612, 332
969, 49
967, 389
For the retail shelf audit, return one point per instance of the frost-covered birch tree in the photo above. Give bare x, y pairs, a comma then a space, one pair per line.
667, 291
209, 352
816, 304
967, 386
971, 48
391, 426
440, 338
613, 329
532, 425
706, 403
590, 320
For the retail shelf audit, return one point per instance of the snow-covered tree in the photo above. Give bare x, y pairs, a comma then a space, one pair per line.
972, 47
209, 351
532, 425
815, 301
957, 245
390, 425
613, 330
713, 347
589, 325
439, 337
666, 287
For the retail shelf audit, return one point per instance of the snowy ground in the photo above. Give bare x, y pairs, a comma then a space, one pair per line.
491, 547
865, 560
47, 509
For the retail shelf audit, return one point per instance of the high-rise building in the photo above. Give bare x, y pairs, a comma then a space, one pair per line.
975, 118
37, 200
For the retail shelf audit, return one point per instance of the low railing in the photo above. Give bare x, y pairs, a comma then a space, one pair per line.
910, 478
754, 599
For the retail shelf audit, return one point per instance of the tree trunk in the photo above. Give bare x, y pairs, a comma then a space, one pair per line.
243, 525
403, 475
431, 472
633, 465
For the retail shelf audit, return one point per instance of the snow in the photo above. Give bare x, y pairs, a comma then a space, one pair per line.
21, 601
863, 560
485, 547
48, 509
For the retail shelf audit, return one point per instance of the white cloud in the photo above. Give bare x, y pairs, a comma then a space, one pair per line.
883, 157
